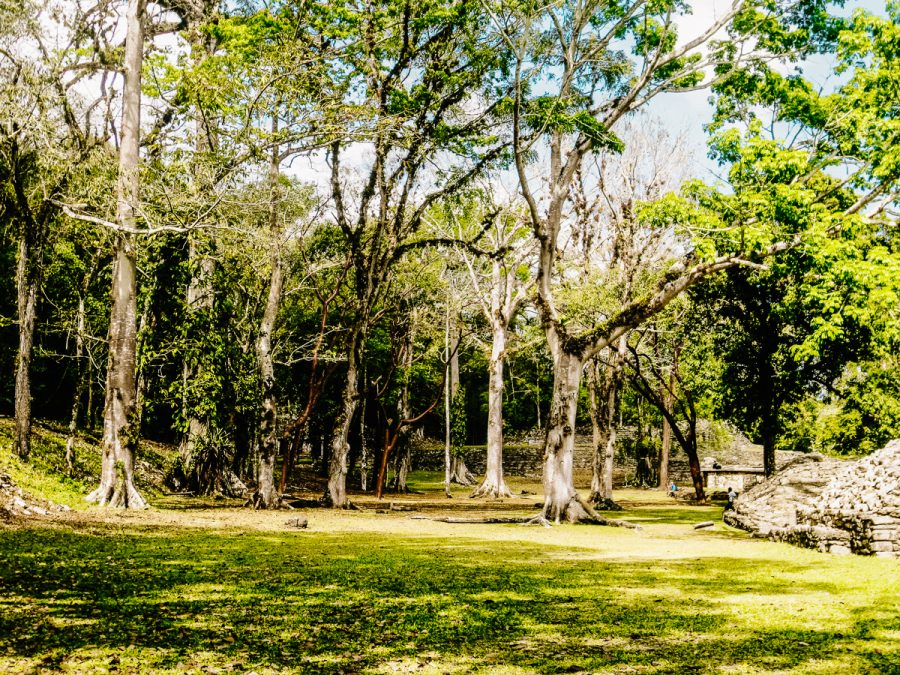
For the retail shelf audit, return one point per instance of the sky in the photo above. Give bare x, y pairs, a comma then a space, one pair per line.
690, 112
683, 113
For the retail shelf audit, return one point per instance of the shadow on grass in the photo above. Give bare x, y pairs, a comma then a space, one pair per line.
673, 515
172, 502
153, 599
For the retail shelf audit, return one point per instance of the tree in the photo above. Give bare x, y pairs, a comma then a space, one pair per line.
44, 142
411, 97
499, 279
656, 374
584, 101
620, 257
120, 434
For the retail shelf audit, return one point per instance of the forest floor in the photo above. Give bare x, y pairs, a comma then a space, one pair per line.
206, 586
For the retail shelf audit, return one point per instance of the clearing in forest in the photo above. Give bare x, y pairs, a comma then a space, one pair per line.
198, 587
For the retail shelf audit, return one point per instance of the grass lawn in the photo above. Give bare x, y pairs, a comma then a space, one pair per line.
200, 588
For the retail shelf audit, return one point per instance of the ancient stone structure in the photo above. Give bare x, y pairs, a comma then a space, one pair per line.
827, 504
524, 456
15, 502
741, 478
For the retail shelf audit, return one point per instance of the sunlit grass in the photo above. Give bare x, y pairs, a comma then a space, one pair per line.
193, 585
365, 592
46, 475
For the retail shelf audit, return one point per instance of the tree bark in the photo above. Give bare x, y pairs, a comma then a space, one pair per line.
404, 464
363, 445
687, 442
694, 464
404, 409
202, 268
494, 485
666, 436
80, 380
605, 394
340, 444
120, 432
561, 500
199, 299
266, 496
597, 387
144, 325
27, 281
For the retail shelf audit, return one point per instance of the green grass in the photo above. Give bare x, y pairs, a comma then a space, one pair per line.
45, 473
360, 592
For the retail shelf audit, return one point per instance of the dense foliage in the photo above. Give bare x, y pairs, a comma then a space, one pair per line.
308, 172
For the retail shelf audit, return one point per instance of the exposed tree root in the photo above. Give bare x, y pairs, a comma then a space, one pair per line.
604, 503
258, 501
122, 494
538, 520
579, 511
459, 472
476, 521
491, 490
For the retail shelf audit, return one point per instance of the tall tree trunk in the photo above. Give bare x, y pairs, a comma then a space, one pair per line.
363, 443
561, 500
459, 472
120, 432
494, 485
404, 411
27, 281
448, 469
266, 496
81, 378
666, 446
404, 465
605, 393
338, 464
200, 286
690, 449
199, 301
596, 386
602, 433
144, 325
90, 414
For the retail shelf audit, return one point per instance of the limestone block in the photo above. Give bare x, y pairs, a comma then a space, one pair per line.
884, 520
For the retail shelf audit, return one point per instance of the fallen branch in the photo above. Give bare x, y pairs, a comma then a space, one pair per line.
475, 521
525, 520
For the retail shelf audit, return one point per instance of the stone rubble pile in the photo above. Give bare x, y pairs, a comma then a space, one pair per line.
831, 505
870, 484
14, 501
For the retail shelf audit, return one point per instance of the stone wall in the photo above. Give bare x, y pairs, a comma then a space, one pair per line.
830, 505
523, 456
526, 460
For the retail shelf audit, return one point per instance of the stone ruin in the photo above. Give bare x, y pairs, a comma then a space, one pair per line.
15, 502
828, 504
